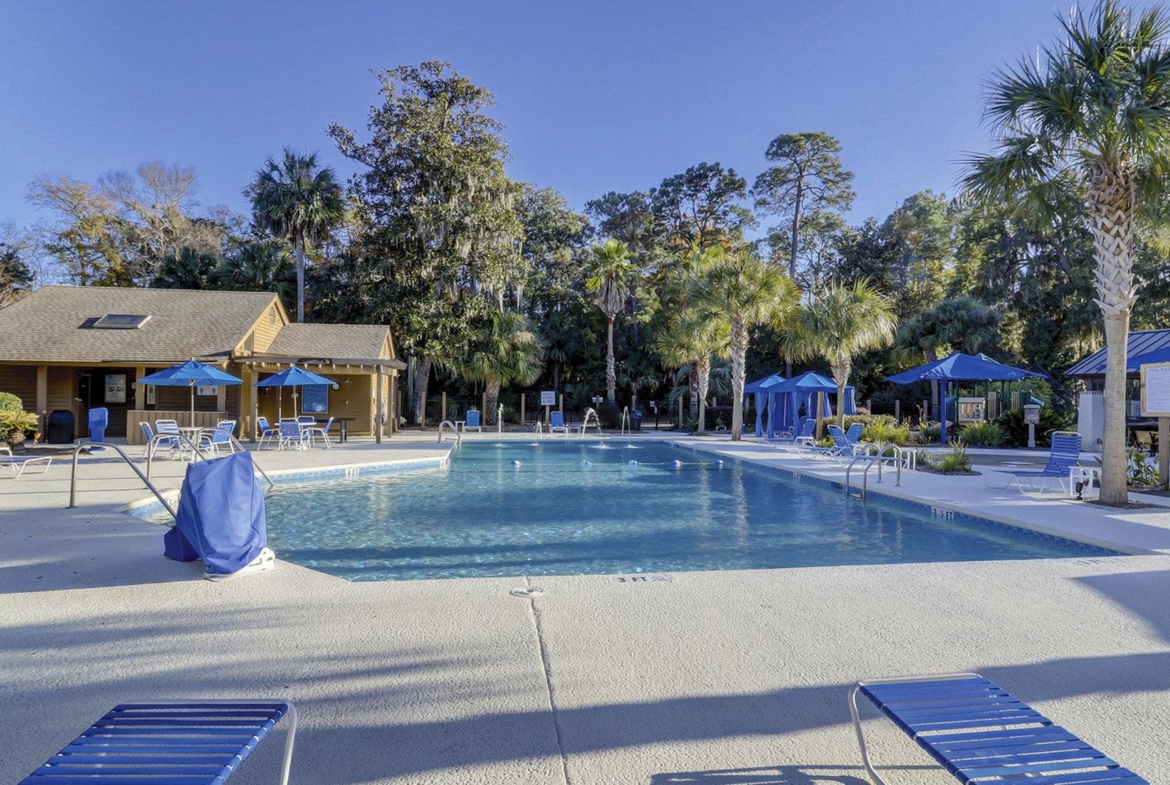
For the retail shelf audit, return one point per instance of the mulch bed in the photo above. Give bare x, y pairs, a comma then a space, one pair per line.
969, 473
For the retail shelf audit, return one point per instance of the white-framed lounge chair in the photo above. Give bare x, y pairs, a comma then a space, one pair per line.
1063, 458
801, 436
19, 464
556, 423
181, 742
320, 430
982, 734
267, 433
845, 446
473, 421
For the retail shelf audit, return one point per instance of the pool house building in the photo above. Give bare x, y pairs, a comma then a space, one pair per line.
69, 349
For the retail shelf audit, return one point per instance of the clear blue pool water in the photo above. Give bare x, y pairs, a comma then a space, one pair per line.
573, 508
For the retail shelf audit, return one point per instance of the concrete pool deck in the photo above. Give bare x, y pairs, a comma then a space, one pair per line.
715, 678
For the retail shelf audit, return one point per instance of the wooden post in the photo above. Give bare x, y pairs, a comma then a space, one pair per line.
820, 414
868, 404
561, 406
398, 405
378, 402
483, 409
253, 402
897, 411
43, 401
444, 407
1163, 451
523, 400
395, 403
547, 410
926, 408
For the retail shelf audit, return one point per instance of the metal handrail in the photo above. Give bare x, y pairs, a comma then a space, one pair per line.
158, 437
73, 477
870, 459
902, 455
454, 430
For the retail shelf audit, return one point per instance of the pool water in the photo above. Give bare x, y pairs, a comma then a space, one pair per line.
570, 508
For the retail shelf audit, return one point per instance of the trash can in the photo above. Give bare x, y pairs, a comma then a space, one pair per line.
99, 420
636, 420
60, 426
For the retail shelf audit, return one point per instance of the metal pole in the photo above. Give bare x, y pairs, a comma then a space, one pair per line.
378, 406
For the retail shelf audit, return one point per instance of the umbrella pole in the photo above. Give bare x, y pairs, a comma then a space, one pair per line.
192, 406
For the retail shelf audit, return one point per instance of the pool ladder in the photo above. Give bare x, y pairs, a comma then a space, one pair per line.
454, 430
872, 455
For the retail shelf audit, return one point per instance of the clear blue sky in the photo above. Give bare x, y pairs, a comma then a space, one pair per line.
596, 96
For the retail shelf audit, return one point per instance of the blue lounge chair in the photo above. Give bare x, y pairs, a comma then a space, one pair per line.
556, 422
19, 464
1066, 452
854, 431
980, 733
845, 446
472, 421
267, 432
804, 435
215, 440
169, 743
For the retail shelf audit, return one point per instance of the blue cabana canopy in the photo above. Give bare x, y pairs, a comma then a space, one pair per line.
759, 388
190, 374
786, 399
960, 367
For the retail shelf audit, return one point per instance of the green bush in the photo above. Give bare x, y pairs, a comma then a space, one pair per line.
10, 403
881, 433
930, 433
956, 460
1016, 430
609, 415
13, 425
984, 434
1141, 471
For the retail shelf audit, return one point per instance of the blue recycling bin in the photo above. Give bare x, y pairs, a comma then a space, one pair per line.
99, 420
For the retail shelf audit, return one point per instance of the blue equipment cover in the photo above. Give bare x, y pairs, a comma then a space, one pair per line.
221, 516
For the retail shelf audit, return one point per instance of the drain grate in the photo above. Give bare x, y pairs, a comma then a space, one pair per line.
649, 577
527, 592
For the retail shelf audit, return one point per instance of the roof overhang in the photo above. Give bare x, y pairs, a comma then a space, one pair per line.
282, 359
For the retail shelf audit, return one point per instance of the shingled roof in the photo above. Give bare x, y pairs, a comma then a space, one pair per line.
55, 324
328, 341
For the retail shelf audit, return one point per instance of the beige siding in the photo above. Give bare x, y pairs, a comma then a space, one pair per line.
21, 381
265, 330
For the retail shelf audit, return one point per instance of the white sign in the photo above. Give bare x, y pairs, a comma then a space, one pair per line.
648, 577
206, 390
548, 397
1156, 390
115, 388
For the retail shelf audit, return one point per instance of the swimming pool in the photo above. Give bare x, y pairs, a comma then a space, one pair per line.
569, 508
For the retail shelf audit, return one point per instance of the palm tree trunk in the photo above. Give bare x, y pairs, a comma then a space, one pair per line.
422, 378
492, 388
693, 387
1111, 209
703, 366
841, 377
739, 345
610, 371
299, 249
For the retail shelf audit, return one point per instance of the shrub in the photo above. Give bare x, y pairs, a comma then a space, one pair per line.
10, 403
881, 433
956, 460
1141, 471
930, 433
984, 434
13, 425
1016, 430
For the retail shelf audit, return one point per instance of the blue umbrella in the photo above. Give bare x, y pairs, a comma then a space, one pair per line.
964, 368
295, 377
190, 374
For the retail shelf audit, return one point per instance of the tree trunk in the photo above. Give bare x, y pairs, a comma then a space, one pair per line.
610, 371
492, 388
931, 356
703, 365
299, 248
422, 379
1111, 210
841, 377
739, 346
693, 388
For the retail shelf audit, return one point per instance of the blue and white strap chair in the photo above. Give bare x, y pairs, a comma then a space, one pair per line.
556, 423
320, 430
473, 421
1064, 457
169, 743
168, 443
981, 734
215, 441
804, 435
267, 433
20, 464
292, 436
854, 431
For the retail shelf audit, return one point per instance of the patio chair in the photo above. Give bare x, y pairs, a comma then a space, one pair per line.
19, 464
845, 446
267, 432
216, 440
292, 436
148, 433
320, 430
854, 431
804, 435
190, 742
472, 421
980, 733
227, 425
1064, 457
556, 423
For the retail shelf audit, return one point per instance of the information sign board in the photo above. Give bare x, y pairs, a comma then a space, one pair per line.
1156, 390
548, 397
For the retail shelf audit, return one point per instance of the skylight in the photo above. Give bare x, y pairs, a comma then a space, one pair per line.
120, 321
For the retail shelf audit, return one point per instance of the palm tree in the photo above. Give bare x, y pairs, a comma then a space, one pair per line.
260, 266
956, 324
742, 291
1096, 111
609, 276
507, 351
299, 201
841, 322
688, 341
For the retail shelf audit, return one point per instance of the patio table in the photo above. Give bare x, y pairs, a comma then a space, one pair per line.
342, 426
